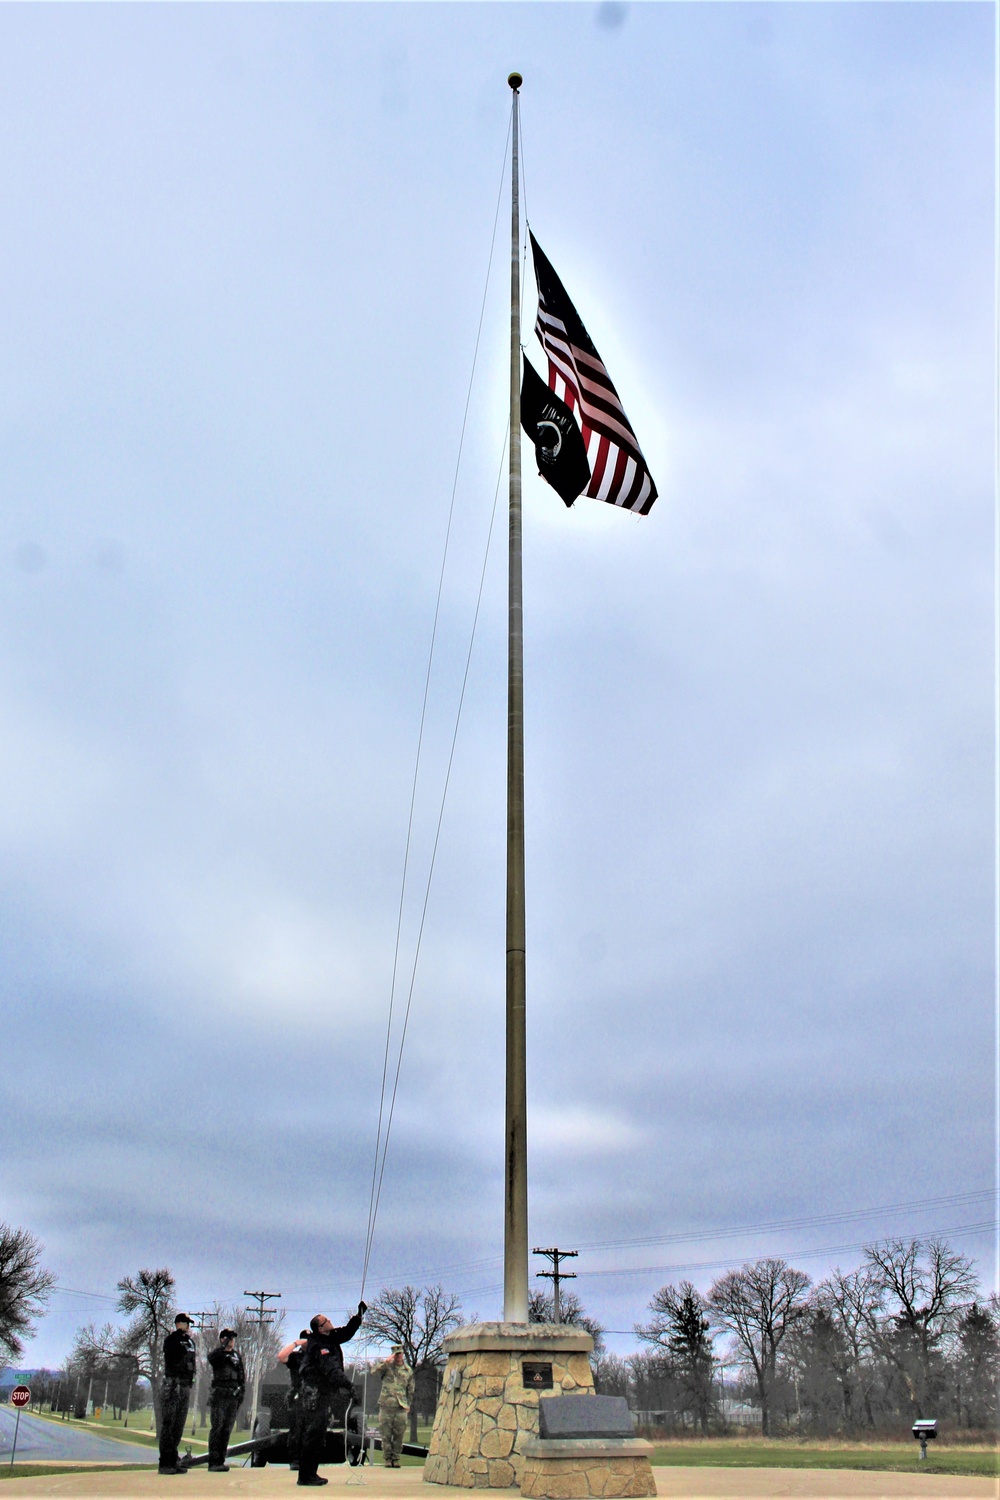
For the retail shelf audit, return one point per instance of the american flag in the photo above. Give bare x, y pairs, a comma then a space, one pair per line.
618, 472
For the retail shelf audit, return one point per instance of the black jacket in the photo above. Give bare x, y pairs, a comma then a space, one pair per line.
292, 1366
228, 1374
179, 1357
322, 1362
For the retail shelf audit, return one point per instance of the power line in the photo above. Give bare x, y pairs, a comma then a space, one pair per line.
985, 1226
952, 1200
456, 1268
714, 1265
702, 1236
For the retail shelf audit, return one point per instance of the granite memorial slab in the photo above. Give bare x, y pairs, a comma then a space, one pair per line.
561, 1417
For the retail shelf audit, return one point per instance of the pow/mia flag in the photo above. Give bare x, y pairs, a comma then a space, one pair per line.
618, 472
551, 426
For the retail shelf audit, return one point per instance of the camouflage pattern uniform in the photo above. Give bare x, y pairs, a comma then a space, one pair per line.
393, 1407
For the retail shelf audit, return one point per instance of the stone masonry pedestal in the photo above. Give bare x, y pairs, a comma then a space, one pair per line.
586, 1469
486, 1413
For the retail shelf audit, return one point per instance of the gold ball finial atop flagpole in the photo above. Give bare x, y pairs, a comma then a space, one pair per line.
515, 80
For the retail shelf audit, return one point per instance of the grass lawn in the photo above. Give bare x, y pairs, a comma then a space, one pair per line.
137, 1432
787, 1453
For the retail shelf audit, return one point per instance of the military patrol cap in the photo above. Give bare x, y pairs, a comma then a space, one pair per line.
398, 1349
182, 1318
227, 1333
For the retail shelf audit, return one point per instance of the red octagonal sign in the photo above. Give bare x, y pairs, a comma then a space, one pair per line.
20, 1395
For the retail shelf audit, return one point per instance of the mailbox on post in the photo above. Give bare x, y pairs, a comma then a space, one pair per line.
923, 1431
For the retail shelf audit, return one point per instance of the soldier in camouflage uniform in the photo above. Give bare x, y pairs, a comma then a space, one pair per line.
394, 1404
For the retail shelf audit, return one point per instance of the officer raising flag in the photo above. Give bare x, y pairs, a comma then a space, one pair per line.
321, 1372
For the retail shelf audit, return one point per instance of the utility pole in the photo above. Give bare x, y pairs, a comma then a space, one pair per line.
554, 1256
198, 1324
264, 1317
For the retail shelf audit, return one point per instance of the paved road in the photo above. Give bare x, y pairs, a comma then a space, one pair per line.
40, 1441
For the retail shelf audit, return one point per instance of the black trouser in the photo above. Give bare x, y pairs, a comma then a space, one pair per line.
294, 1425
224, 1403
174, 1400
314, 1418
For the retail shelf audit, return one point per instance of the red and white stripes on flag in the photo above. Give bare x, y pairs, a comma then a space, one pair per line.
618, 472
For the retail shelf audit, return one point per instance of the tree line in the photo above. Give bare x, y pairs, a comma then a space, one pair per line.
906, 1334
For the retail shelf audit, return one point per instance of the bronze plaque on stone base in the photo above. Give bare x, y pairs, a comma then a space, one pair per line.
536, 1376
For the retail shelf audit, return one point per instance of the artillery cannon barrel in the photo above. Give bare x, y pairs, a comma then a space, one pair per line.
250, 1446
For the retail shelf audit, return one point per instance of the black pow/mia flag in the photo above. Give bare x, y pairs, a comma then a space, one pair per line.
551, 426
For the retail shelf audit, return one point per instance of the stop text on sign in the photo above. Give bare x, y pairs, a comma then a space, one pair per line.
20, 1395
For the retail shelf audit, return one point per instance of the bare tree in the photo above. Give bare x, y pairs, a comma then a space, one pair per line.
758, 1305
257, 1342
420, 1321
653, 1389
680, 1330
923, 1286
98, 1353
541, 1309
148, 1298
24, 1289
611, 1375
977, 1368
853, 1300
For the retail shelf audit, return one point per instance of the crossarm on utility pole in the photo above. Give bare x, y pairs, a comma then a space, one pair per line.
555, 1255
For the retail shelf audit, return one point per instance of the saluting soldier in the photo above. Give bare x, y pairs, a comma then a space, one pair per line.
394, 1401
229, 1383
291, 1357
179, 1363
322, 1374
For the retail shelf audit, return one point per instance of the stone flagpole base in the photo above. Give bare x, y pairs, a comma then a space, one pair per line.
488, 1410
587, 1469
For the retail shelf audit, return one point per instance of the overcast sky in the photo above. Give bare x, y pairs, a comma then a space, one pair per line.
244, 253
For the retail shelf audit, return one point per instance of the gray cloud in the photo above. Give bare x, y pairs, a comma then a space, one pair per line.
242, 309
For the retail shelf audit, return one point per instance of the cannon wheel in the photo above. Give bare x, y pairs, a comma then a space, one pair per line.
354, 1452
262, 1429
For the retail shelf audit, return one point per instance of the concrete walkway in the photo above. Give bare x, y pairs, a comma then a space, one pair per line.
407, 1484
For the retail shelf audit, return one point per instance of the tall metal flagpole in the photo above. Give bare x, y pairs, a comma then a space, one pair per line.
515, 1249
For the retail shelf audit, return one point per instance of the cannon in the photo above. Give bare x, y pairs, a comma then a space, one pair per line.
269, 1444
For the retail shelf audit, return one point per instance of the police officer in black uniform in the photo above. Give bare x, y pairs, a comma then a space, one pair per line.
321, 1371
179, 1361
229, 1383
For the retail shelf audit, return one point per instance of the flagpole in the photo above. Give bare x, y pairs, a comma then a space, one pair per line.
515, 1259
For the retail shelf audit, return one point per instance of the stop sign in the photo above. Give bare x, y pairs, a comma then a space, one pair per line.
20, 1396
